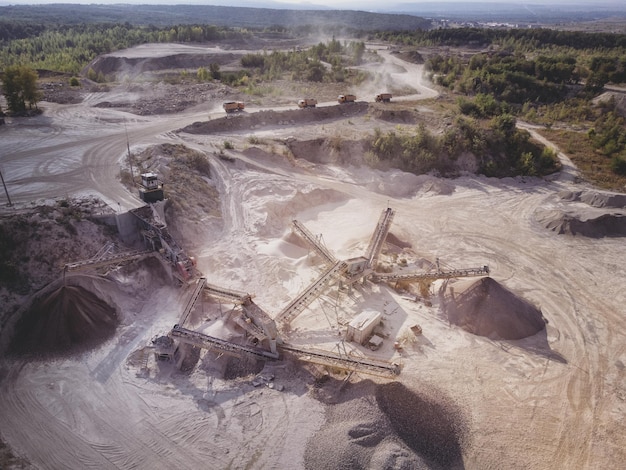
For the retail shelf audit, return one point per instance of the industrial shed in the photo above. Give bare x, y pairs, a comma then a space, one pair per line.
362, 326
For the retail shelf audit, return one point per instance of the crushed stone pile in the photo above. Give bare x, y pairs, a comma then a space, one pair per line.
586, 225
595, 198
67, 320
269, 118
486, 308
386, 426
430, 425
593, 214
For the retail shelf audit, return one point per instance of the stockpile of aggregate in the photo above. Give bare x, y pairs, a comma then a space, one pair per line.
593, 214
591, 225
486, 308
269, 118
66, 320
388, 426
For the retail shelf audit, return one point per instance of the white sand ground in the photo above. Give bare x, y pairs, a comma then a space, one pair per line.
555, 400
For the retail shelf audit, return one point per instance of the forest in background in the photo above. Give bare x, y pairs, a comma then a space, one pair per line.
546, 77
542, 76
239, 17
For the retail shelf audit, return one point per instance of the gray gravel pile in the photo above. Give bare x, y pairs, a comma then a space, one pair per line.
67, 320
386, 427
486, 308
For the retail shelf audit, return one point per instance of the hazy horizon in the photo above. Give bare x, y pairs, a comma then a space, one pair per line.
331, 4
498, 11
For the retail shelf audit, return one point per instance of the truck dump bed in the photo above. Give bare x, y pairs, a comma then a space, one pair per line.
346, 98
233, 106
307, 103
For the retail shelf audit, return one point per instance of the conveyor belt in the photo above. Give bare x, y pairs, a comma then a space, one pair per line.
209, 342
350, 363
107, 259
175, 253
310, 239
192, 300
482, 271
228, 294
379, 236
326, 358
302, 301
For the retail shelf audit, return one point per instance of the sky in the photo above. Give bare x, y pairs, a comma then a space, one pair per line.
334, 3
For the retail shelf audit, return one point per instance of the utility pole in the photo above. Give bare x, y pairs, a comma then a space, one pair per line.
5, 189
130, 160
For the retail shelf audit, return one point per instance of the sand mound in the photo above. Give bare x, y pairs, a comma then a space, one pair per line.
484, 307
383, 113
587, 224
343, 150
593, 214
397, 241
595, 198
384, 427
427, 184
271, 118
68, 319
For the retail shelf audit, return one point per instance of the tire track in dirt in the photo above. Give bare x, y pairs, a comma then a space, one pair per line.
27, 422
584, 388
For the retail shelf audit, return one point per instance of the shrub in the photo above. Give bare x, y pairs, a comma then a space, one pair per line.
618, 165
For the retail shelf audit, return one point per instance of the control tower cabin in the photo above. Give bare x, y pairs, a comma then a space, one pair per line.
150, 190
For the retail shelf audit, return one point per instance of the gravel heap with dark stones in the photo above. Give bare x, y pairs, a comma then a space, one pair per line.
69, 319
486, 308
388, 427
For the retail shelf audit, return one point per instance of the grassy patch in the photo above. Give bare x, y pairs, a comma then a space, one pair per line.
595, 167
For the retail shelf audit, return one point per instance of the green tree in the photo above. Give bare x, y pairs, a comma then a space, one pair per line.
315, 72
19, 85
202, 74
618, 165
92, 75
214, 68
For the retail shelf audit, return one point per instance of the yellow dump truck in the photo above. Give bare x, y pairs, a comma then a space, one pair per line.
307, 103
233, 106
346, 98
383, 98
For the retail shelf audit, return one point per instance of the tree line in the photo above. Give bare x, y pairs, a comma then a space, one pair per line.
70, 48
500, 147
529, 39
544, 76
540, 88
308, 64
